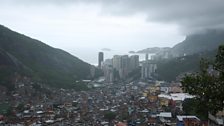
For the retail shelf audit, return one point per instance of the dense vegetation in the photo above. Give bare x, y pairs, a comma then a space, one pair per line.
41, 62
170, 69
207, 85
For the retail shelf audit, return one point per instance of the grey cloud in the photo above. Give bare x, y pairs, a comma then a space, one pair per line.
189, 15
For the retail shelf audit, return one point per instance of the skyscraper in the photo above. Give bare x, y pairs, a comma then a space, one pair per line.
121, 64
148, 69
124, 66
134, 62
146, 57
117, 62
100, 59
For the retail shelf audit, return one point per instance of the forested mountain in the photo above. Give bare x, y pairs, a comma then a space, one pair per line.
170, 69
199, 42
192, 44
24, 55
185, 56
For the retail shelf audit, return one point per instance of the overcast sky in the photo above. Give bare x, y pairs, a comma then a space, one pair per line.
84, 27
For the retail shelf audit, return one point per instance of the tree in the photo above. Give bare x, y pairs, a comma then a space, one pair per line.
110, 116
208, 86
190, 107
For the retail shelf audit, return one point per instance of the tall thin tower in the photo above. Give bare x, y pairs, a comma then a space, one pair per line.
100, 59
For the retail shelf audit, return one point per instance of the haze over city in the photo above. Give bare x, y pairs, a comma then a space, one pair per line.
85, 27
111, 62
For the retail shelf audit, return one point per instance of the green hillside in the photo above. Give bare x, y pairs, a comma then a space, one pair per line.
170, 69
49, 65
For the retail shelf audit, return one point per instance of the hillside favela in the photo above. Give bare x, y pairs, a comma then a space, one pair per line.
111, 63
